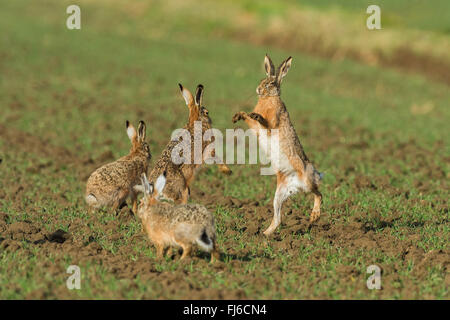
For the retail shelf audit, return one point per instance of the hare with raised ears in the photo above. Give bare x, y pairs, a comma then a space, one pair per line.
180, 226
293, 168
111, 184
180, 176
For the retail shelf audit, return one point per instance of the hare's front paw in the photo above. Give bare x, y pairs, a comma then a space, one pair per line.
257, 117
239, 116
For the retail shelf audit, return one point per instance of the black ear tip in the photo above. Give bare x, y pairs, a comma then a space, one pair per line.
181, 87
200, 86
142, 123
127, 123
164, 173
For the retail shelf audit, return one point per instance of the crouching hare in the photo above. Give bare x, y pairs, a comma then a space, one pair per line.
180, 226
111, 184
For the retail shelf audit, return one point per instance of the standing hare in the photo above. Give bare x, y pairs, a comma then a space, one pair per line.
180, 226
293, 168
180, 176
111, 184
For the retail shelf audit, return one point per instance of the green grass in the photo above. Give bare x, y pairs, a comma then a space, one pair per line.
75, 89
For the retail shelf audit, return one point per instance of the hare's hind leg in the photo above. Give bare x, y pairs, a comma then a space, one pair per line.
215, 254
186, 250
281, 195
119, 198
169, 251
315, 214
159, 250
134, 202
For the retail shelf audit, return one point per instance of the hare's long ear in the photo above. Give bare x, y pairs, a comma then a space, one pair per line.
141, 131
268, 66
160, 183
283, 69
145, 184
199, 95
131, 131
193, 108
187, 95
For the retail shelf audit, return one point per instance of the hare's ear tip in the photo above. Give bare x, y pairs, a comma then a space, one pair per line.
164, 173
141, 122
181, 86
127, 123
200, 86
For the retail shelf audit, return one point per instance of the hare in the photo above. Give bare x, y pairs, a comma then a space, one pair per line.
180, 176
111, 184
293, 168
170, 225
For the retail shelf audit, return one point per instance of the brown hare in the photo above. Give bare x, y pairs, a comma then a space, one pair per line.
293, 168
111, 184
180, 226
180, 176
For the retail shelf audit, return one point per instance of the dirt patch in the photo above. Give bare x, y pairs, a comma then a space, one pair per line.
14, 138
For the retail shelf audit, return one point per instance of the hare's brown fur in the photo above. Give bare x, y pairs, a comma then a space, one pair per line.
180, 226
111, 184
294, 170
180, 176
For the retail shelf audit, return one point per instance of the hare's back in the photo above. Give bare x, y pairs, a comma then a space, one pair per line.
115, 173
193, 213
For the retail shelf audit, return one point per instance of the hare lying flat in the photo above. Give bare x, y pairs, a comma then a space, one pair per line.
180, 176
111, 184
180, 226
293, 168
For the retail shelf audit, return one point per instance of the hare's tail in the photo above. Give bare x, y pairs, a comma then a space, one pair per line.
313, 174
91, 200
318, 176
205, 242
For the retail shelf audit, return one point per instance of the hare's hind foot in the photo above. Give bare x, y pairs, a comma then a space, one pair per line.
186, 251
271, 228
170, 252
215, 254
159, 250
315, 214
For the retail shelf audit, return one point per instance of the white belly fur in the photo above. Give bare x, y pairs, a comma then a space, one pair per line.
270, 144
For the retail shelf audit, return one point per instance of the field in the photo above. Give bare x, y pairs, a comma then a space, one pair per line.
371, 109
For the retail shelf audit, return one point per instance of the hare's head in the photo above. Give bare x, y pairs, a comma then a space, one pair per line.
138, 144
270, 86
152, 191
197, 112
